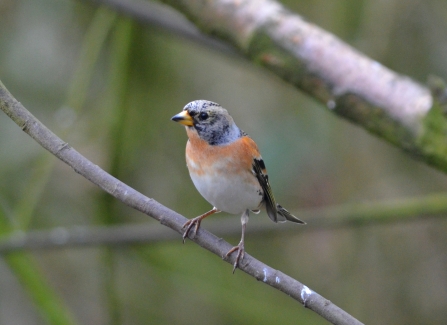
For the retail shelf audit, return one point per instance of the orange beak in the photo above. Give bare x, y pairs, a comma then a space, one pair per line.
183, 118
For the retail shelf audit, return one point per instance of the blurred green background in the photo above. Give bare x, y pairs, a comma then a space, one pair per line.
109, 86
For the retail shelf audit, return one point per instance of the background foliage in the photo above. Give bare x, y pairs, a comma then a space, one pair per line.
109, 86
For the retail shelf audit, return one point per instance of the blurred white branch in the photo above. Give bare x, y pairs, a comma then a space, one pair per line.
347, 82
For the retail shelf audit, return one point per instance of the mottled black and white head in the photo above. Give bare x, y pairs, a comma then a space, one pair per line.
211, 121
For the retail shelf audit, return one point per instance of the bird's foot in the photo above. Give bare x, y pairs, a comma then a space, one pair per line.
194, 222
240, 254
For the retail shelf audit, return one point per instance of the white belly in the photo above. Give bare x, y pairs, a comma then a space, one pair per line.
229, 194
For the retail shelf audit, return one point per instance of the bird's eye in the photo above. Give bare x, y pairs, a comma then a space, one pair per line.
203, 116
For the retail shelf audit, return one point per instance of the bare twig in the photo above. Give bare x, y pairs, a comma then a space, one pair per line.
47, 139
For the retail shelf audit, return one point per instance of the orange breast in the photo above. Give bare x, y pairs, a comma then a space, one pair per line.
223, 174
236, 157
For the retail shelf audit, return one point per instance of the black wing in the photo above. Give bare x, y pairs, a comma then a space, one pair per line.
275, 211
269, 199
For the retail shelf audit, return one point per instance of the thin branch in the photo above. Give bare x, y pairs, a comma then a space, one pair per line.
365, 214
81, 236
165, 18
262, 272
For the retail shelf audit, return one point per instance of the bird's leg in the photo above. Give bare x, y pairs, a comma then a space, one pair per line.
196, 221
240, 247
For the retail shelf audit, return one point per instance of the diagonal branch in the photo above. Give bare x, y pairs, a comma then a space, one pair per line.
47, 139
349, 83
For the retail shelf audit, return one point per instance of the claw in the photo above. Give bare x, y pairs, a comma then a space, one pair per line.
196, 221
240, 254
189, 224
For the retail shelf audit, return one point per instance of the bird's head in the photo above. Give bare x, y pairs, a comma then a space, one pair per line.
210, 120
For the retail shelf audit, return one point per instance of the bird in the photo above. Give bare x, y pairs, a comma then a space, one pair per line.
227, 169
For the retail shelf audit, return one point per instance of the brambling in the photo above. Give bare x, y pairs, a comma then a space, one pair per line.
227, 169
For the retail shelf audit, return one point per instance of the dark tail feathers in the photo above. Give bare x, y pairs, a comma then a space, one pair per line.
286, 214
